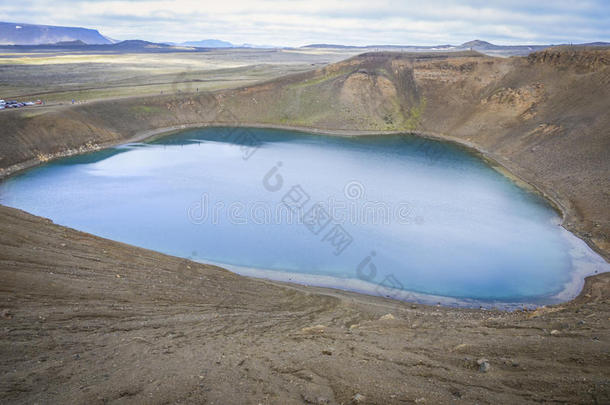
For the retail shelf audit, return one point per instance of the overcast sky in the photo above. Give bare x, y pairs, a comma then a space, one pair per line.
355, 22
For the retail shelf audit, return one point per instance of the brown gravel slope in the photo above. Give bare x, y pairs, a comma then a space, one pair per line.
87, 320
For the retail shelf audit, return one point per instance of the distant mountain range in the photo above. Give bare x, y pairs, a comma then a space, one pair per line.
209, 43
31, 34
133, 46
476, 45
217, 43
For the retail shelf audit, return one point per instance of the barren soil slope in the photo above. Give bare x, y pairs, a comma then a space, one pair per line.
87, 320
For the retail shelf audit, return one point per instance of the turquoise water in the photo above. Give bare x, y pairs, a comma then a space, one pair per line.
391, 215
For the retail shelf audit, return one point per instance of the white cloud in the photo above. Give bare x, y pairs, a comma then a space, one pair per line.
299, 22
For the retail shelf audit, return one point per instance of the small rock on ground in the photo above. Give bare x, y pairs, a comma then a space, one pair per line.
314, 329
358, 399
484, 365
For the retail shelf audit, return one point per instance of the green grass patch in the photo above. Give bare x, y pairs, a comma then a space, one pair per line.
415, 113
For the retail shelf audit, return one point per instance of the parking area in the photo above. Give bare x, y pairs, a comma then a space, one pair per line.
18, 104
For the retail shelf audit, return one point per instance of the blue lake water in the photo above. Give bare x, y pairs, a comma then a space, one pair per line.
398, 216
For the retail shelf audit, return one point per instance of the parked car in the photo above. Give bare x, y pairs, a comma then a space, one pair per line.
18, 104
